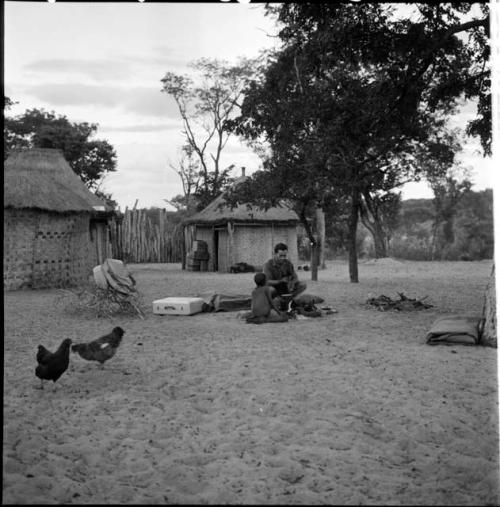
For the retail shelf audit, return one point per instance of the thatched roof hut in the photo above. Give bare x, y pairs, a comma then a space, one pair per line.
54, 226
242, 234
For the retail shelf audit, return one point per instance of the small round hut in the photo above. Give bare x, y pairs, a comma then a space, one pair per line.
52, 222
244, 234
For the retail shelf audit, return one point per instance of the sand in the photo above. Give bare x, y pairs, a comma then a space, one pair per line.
350, 408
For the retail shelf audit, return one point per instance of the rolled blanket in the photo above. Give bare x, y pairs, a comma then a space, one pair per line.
455, 329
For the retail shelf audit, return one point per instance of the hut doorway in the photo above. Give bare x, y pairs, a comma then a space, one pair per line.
216, 250
221, 254
99, 235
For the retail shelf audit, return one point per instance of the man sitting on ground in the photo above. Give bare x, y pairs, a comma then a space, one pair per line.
281, 274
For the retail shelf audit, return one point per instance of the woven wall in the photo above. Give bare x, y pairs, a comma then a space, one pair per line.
19, 232
44, 249
254, 245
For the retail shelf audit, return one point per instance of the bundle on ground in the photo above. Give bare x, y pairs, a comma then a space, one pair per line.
103, 302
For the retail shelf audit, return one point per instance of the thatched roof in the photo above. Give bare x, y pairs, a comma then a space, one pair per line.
41, 178
218, 213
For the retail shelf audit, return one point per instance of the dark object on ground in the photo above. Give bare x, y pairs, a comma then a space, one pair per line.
455, 329
309, 311
272, 318
242, 267
51, 365
304, 305
405, 304
102, 348
303, 267
304, 299
214, 302
329, 310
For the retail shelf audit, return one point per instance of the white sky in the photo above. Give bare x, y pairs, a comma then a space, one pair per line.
102, 63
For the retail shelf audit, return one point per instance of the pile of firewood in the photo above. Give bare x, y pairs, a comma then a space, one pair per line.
403, 304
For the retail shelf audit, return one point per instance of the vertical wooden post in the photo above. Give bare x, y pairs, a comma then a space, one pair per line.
230, 255
143, 231
161, 234
134, 216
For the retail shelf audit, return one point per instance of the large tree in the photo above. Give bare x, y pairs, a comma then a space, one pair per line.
89, 158
205, 102
353, 89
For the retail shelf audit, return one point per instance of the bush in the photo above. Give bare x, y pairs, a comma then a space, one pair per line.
410, 248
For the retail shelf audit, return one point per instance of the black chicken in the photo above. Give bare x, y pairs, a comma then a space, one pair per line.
102, 348
51, 365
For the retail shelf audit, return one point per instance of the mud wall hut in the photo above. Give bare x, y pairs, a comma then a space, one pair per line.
55, 229
242, 234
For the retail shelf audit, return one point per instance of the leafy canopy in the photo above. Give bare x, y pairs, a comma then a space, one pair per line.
90, 158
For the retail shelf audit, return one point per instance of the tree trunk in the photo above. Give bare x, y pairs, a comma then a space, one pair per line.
351, 242
380, 247
437, 240
380, 242
315, 256
371, 216
313, 241
379, 237
320, 227
489, 332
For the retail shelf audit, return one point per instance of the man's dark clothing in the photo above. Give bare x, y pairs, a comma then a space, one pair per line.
277, 270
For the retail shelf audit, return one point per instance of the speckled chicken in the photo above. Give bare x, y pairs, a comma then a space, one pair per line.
102, 349
51, 365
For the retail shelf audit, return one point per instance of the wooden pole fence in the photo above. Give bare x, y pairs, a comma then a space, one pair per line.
145, 236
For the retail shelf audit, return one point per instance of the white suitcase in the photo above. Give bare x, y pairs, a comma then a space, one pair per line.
178, 306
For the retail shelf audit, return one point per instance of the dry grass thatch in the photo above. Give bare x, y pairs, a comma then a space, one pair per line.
42, 178
102, 302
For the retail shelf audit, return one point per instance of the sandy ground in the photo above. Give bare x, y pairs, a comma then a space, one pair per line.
350, 408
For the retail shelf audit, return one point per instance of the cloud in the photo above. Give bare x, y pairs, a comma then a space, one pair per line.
112, 69
151, 102
141, 128
95, 69
145, 101
75, 94
159, 56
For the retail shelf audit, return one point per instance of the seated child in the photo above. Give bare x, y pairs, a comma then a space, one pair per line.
264, 309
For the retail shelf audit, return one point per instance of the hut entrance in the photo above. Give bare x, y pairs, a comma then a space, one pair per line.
221, 253
216, 250
99, 238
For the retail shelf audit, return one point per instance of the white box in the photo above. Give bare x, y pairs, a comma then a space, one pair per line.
178, 306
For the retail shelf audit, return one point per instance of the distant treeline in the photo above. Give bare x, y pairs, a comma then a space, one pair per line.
465, 233
462, 231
